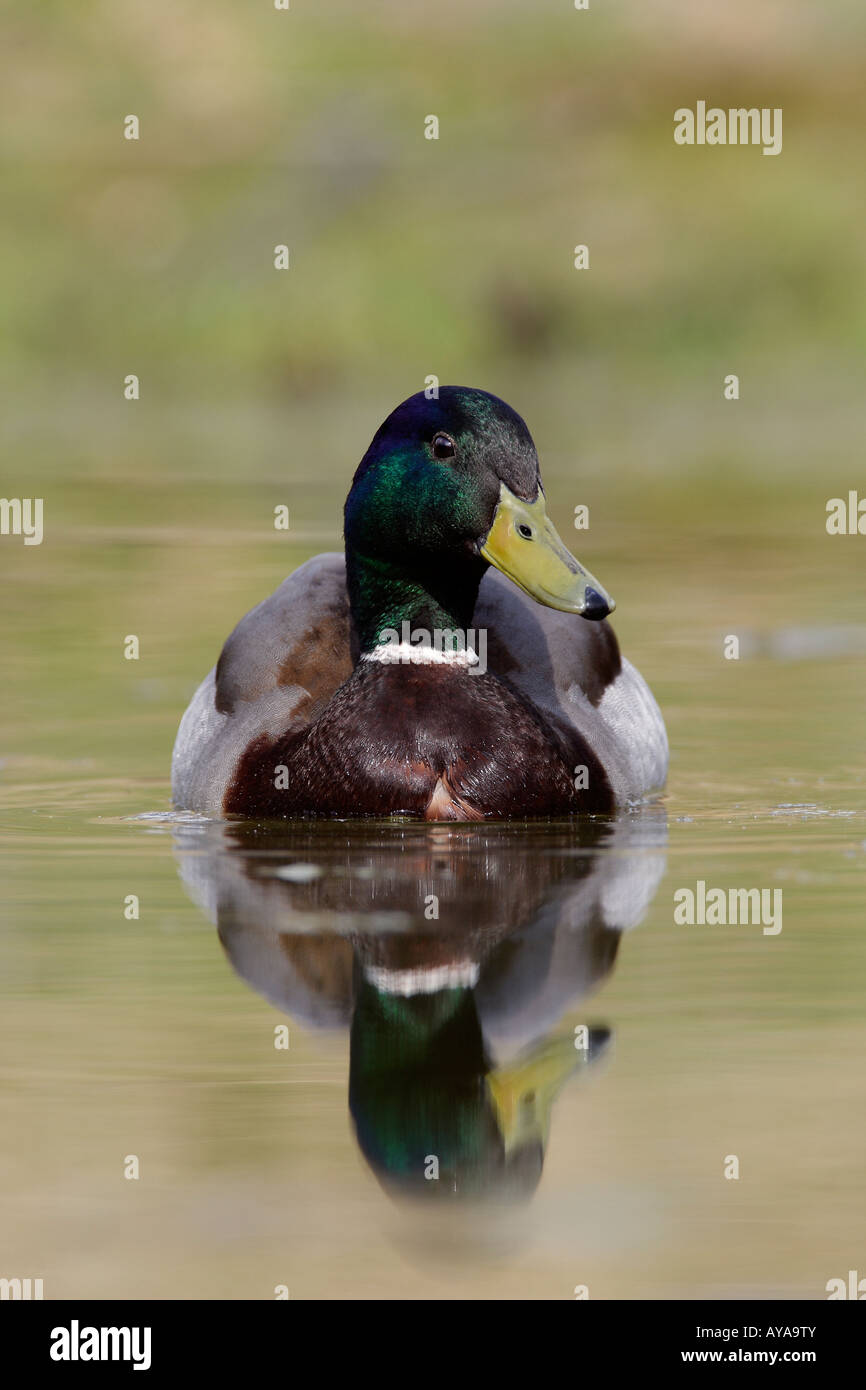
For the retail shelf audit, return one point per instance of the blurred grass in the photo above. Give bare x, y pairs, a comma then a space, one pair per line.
410, 255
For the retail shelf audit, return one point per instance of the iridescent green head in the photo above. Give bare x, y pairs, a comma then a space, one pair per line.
448, 486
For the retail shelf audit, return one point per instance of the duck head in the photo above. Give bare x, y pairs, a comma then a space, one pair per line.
447, 487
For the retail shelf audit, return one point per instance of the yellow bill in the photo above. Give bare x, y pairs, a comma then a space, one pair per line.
524, 544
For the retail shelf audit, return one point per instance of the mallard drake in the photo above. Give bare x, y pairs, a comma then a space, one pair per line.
411, 678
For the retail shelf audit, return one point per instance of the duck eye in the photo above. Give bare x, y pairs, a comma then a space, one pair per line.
525, 531
443, 446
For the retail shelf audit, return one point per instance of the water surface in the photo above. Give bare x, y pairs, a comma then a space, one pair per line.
408, 1035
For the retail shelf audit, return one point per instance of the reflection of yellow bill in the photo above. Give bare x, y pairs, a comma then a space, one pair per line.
523, 1094
523, 543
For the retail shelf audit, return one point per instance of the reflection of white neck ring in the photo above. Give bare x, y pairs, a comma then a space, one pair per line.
462, 974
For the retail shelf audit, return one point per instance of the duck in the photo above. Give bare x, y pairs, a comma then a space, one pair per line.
455, 664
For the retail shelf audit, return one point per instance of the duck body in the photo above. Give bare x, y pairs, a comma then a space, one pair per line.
316, 708
423, 740
286, 686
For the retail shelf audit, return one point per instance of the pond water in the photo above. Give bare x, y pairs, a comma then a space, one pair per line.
330, 1089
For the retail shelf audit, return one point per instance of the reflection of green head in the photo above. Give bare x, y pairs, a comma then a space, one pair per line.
431, 1116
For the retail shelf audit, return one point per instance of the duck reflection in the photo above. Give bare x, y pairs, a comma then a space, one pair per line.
451, 953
